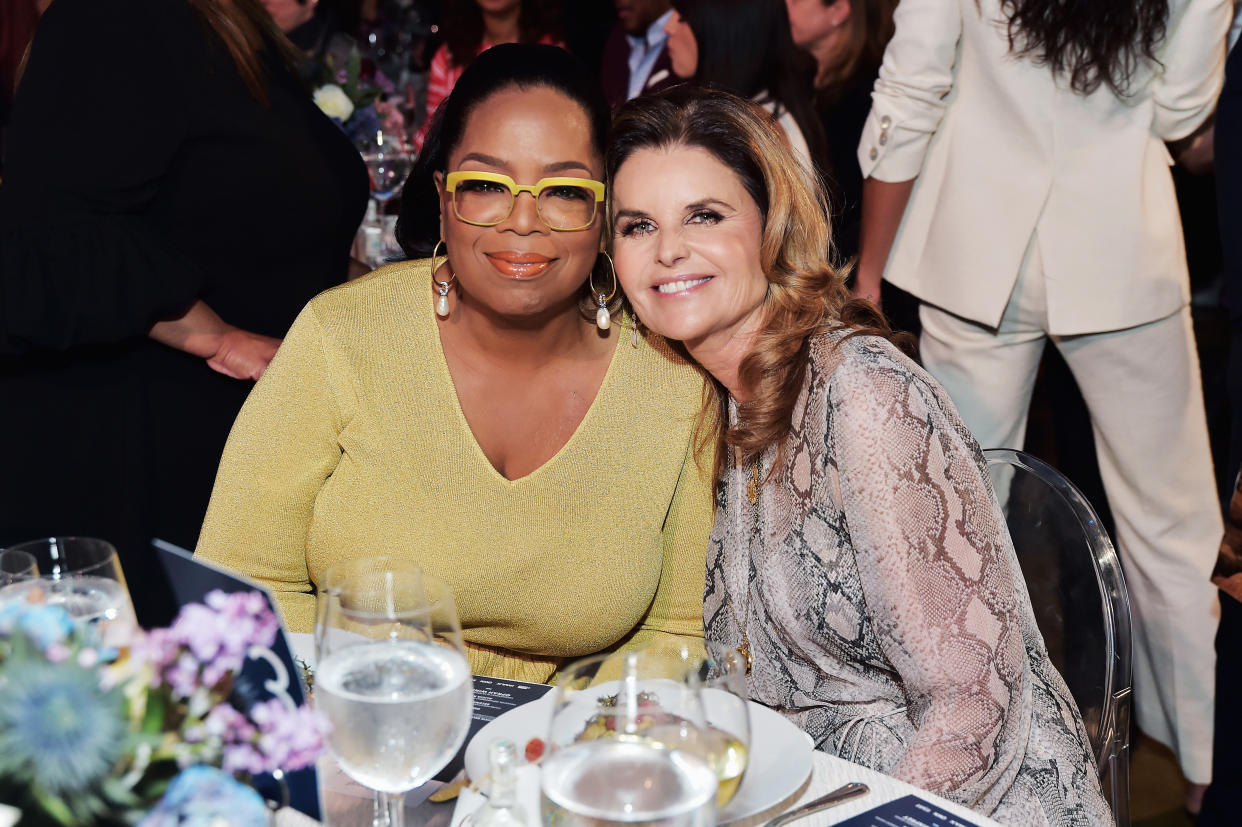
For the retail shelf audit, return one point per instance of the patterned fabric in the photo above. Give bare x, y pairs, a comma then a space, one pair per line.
1228, 572
883, 603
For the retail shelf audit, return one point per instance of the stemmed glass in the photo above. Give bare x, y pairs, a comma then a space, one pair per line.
392, 677
16, 565
652, 736
388, 161
80, 574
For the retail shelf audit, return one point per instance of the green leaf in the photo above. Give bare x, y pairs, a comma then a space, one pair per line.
153, 716
54, 807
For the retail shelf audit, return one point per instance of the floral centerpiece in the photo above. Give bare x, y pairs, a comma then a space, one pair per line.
353, 96
136, 727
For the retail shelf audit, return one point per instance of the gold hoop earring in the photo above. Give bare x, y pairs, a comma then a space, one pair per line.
442, 287
603, 319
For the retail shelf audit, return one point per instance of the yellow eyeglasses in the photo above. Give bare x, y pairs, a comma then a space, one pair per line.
485, 199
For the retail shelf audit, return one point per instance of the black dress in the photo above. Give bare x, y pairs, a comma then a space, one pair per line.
843, 114
141, 173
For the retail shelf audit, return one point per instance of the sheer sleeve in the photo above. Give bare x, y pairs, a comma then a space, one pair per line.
283, 446
96, 125
937, 574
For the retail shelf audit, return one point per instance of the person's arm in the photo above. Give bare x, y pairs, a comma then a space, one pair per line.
282, 448
1192, 66
676, 612
883, 205
938, 577
908, 104
232, 351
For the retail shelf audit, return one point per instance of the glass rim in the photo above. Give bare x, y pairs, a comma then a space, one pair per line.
68, 544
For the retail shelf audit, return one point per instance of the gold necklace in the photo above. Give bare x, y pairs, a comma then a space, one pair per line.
752, 494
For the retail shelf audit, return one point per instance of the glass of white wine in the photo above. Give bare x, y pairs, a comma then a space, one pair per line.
82, 575
392, 677
647, 737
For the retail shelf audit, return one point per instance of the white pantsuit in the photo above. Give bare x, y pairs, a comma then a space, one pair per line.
1040, 213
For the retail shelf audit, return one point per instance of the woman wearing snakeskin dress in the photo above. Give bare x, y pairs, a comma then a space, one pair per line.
859, 555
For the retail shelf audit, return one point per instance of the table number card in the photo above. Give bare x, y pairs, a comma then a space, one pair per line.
908, 811
267, 673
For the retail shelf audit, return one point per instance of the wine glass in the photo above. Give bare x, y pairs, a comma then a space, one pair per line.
80, 574
651, 735
392, 677
16, 565
388, 161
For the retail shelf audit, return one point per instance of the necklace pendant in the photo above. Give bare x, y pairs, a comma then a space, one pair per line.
747, 659
752, 485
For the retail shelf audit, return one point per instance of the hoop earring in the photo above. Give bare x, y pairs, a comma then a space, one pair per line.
442, 287
603, 319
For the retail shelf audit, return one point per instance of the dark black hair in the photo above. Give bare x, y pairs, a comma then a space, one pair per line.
745, 48
1092, 42
520, 65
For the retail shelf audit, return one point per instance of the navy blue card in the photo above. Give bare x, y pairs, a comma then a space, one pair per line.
910, 811
493, 697
269, 673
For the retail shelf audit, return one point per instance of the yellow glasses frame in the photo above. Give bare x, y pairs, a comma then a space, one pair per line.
454, 178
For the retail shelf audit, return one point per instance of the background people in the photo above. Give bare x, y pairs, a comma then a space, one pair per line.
471, 26
1043, 210
150, 262
635, 59
744, 47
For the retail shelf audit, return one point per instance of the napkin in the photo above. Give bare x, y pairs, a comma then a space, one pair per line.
468, 801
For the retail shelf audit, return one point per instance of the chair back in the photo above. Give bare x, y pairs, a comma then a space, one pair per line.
1081, 606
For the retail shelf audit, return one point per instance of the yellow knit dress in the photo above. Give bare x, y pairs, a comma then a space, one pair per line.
354, 444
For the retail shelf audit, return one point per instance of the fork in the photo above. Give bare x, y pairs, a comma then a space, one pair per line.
846, 792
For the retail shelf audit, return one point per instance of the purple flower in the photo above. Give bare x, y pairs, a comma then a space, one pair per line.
290, 739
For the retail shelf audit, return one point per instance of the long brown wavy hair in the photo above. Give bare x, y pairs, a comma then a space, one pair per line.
244, 26
806, 294
867, 32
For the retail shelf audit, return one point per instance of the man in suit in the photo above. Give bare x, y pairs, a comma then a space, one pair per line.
635, 60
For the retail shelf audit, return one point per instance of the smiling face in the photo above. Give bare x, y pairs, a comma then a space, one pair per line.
683, 49
520, 267
686, 244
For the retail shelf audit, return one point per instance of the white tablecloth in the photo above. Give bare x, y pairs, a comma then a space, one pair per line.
349, 805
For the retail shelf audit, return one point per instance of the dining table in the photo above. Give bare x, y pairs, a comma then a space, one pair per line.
345, 803
348, 804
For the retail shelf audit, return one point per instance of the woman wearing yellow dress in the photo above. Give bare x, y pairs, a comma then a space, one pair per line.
485, 412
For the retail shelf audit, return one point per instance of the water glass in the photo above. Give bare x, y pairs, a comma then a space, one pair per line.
647, 737
81, 574
391, 675
16, 565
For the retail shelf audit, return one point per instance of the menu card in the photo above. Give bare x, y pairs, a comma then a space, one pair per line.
909, 811
493, 697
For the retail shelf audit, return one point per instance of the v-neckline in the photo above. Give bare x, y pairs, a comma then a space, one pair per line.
447, 376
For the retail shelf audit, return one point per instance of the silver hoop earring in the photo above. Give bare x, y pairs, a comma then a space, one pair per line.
603, 319
442, 287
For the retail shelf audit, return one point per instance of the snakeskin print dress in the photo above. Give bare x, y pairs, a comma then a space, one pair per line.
883, 603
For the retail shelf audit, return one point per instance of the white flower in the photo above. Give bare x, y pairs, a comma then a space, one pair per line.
333, 102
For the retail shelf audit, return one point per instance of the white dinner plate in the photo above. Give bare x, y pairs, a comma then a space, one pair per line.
780, 754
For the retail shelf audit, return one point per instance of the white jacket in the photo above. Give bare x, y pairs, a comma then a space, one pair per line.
1002, 150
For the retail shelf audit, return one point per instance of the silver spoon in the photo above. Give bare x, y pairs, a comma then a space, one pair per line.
840, 795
